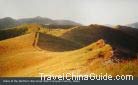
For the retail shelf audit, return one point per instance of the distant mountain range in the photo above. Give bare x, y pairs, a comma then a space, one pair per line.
134, 25
10, 22
7, 22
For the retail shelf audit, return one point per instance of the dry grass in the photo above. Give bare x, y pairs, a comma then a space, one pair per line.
19, 58
122, 68
17, 43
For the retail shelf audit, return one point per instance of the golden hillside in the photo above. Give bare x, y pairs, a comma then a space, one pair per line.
19, 57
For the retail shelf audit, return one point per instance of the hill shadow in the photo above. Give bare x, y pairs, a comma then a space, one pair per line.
123, 44
56, 44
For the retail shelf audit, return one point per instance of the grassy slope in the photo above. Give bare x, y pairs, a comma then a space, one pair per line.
30, 62
20, 58
18, 53
17, 43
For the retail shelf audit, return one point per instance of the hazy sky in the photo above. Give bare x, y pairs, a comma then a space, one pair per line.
83, 11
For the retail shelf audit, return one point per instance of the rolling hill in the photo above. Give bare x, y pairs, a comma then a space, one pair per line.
128, 30
26, 60
123, 43
81, 49
7, 22
16, 43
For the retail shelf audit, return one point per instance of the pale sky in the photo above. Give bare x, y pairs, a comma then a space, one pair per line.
83, 11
